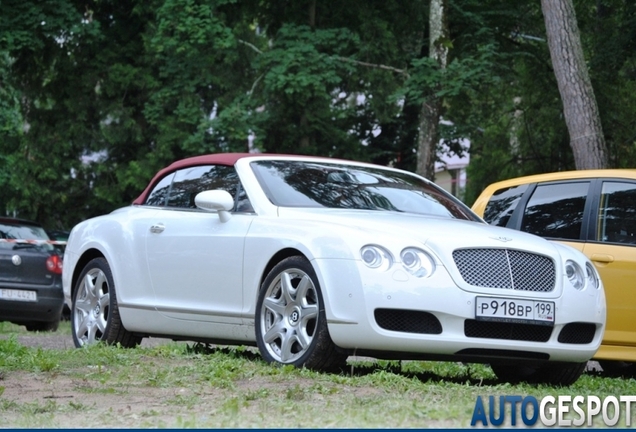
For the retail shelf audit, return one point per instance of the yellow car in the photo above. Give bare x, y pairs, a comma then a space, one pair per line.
595, 212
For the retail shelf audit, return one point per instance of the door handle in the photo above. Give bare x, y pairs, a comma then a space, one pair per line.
602, 258
156, 229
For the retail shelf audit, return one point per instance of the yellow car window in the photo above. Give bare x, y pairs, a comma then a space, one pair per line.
617, 213
556, 210
502, 204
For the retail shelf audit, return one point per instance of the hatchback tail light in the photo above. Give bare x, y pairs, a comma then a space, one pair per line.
54, 264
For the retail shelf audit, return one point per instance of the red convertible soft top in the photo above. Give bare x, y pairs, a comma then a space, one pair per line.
228, 159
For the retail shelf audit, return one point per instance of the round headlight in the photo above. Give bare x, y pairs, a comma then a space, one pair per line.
409, 258
574, 274
417, 262
376, 257
592, 276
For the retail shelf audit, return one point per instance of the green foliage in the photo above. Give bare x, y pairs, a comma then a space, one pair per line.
15, 356
461, 75
303, 81
514, 117
608, 30
10, 117
96, 97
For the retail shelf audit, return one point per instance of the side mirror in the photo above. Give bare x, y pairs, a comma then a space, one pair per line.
219, 201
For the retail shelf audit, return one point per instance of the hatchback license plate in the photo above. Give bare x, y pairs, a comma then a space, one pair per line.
509, 310
18, 295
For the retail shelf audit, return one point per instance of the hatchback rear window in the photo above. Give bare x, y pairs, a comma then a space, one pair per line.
15, 235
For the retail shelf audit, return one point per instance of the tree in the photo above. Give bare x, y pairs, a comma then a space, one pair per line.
36, 44
510, 116
95, 97
431, 107
608, 36
579, 104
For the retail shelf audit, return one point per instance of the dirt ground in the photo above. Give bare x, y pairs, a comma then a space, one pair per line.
61, 341
55, 400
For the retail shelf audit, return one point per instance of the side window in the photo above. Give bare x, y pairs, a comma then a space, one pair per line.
617, 213
157, 197
556, 210
502, 204
243, 203
189, 182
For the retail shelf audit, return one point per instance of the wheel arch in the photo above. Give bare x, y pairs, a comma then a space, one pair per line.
278, 257
86, 257
337, 301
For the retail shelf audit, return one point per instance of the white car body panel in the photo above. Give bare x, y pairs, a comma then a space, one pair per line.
210, 258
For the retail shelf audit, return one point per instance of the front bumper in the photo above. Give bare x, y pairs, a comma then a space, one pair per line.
354, 294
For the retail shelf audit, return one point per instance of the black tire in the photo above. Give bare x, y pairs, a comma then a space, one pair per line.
560, 374
40, 326
615, 368
302, 338
552, 373
66, 313
514, 374
94, 312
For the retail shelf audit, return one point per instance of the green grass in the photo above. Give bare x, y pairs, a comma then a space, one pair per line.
193, 386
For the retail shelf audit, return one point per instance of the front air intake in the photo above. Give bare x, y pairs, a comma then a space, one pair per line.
508, 331
408, 321
578, 333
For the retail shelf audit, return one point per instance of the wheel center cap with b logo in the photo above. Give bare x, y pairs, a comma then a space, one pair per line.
294, 317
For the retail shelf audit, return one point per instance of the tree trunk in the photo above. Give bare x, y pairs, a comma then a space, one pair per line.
305, 137
579, 103
431, 107
312, 14
427, 139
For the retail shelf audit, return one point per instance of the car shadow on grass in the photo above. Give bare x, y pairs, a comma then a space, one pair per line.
461, 374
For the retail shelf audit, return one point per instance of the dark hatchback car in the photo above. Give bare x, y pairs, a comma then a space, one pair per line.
30, 276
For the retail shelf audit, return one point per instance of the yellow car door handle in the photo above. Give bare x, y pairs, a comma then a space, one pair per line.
602, 258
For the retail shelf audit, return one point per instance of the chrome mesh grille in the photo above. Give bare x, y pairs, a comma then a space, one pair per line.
506, 269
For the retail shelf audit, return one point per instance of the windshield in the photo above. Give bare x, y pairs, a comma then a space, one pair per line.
318, 184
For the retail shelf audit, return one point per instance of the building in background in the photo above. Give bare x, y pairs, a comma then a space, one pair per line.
450, 170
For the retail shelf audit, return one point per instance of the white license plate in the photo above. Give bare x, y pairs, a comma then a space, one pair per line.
509, 310
18, 295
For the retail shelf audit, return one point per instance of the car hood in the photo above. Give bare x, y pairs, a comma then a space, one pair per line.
442, 235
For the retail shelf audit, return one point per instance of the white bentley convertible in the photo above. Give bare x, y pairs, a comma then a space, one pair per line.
315, 259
